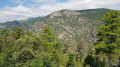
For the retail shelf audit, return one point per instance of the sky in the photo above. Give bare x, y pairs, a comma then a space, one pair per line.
23, 9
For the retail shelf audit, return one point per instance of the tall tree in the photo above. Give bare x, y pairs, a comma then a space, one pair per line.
47, 34
108, 36
51, 45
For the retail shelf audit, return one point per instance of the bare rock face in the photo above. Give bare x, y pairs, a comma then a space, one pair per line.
55, 14
71, 13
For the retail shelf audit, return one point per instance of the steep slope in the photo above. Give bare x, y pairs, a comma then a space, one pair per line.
72, 26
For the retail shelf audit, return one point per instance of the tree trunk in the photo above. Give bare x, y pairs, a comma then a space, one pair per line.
110, 62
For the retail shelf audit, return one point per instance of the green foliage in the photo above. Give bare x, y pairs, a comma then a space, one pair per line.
18, 33
89, 60
47, 62
23, 48
19, 48
80, 50
107, 37
93, 60
38, 62
47, 34
3, 36
74, 25
71, 62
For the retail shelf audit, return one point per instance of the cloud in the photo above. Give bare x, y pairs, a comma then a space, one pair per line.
43, 1
88, 4
17, 13
36, 1
22, 12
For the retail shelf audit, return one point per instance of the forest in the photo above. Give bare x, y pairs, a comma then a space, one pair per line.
23, 48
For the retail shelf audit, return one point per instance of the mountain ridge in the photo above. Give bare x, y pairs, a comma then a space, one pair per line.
71, 26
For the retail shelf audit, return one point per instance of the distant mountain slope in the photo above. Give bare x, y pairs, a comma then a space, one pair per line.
71, 26
19, 23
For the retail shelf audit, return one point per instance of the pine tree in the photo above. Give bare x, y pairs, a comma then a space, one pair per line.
47, 34
108, 36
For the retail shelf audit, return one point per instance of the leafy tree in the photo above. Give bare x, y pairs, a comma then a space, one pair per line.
5, 49
108, 35
28, 47
38, 62
47, 62
3, 36
20, 48
23, 49
17, 33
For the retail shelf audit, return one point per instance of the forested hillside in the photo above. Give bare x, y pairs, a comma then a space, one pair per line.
18, 23
65, 38
71, 26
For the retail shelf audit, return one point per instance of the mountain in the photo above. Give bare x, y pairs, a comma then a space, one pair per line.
19, 23
71, 26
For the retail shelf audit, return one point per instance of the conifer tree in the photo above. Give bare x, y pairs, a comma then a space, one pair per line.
108, 36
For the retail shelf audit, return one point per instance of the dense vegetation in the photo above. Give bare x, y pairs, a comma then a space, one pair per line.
22, 48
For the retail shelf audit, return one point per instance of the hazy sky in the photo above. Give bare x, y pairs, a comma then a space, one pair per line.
22, 9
